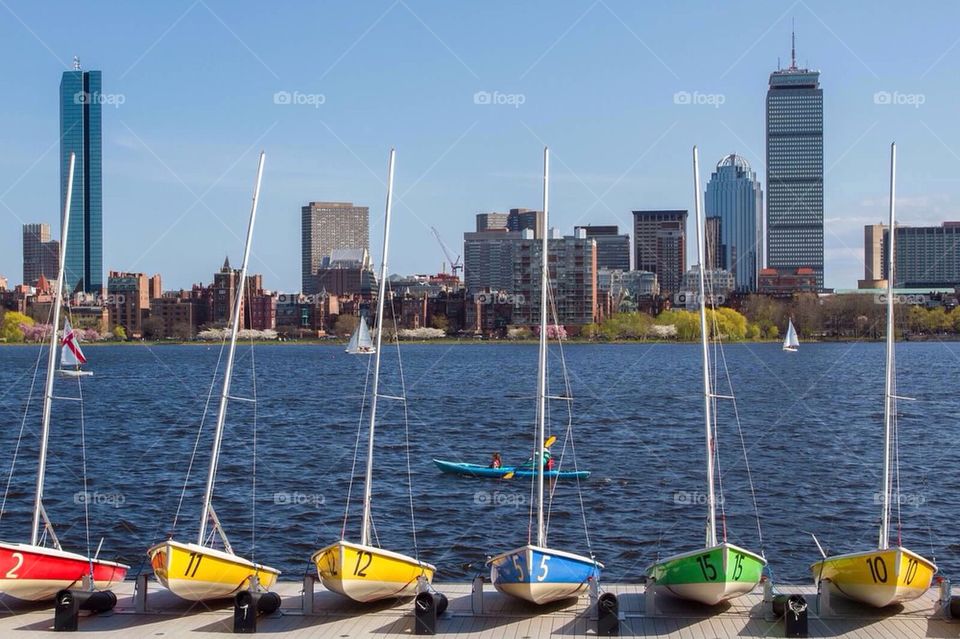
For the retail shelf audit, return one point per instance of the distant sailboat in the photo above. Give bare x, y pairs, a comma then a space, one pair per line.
887, 574
361, 343
791, 342
71, 357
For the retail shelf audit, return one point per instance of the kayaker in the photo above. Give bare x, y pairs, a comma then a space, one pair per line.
496, 461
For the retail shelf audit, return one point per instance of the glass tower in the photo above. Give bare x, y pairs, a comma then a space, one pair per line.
735, 199
795, 170
81, 133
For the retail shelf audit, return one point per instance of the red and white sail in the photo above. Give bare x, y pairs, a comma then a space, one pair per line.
70, 353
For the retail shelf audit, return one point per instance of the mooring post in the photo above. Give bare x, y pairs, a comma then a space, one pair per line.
476, 595
650, 598
594, 597
140, 593
309, 580
824, 605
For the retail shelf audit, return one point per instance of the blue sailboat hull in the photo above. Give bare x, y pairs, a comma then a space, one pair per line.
542, 575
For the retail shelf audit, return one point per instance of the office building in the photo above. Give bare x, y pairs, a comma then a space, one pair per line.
128, 300
488, 260
795, 170
613, 249
660, 245
325, 227
492, 221
41, 255
925, 256
81, 134
572, 275
734, 201
873, 266
345, 273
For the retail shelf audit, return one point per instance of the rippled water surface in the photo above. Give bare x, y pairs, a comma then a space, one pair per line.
811, 422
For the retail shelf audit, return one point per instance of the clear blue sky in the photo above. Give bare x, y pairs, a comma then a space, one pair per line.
597, 80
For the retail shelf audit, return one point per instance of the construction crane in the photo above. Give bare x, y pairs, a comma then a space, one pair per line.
455, 264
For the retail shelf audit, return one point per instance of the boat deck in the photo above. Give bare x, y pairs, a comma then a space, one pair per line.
334, 617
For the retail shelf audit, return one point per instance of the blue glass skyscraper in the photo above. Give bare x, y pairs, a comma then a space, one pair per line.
81, 133
735, 197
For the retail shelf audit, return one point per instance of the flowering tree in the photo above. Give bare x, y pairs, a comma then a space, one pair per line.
554, 331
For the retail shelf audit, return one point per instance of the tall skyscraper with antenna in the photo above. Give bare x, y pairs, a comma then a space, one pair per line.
81, 133
795, 169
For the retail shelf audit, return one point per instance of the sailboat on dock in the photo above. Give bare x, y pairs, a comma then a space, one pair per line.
887, 574
720, 570
361, 342
535, 572
35, 571
198, 571
791, 342
363, 571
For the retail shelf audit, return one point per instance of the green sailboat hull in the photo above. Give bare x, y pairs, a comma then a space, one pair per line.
710, 575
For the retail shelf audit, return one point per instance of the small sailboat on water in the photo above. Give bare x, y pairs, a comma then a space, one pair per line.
360, 342
720, 570
362, 571
535, 572
887, 574
791, 342
71, 355
198, 571
36, 571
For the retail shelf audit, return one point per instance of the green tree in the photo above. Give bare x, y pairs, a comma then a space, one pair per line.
687, 323
120, 333
153, 328
937, 320
10, 330
440, 321
917, 319
753, 331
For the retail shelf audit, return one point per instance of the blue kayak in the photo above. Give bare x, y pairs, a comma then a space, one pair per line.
476, 470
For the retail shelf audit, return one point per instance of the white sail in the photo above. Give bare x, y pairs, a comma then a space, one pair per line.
791, 341
360, 342
70, 353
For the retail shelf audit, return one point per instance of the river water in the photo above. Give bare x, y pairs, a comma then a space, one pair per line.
811, 423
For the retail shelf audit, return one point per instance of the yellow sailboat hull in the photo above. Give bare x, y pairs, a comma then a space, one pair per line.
197, 573
365, 573
878, 578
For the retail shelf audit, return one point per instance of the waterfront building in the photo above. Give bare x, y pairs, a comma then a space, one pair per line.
177, 312
734, 208
660, 245
787, 284
873, 267
488, 260
613, 249
573, 279
128, 301
926, 256
41, 255
326, 227
794, 147
719, 283
345, 272
81, 134
519, 220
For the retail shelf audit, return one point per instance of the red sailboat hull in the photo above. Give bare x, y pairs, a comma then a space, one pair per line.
36, 573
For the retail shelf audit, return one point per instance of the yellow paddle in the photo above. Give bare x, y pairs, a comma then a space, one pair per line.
551, 440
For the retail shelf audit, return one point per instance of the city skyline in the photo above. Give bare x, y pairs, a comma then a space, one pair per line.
613, 155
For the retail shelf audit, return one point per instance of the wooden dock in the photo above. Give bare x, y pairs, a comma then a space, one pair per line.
168, 617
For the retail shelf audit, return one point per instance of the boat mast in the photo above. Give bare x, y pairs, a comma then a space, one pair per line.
368, 482
707, 394
888, 398
52, 360
228, 372
542, 358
